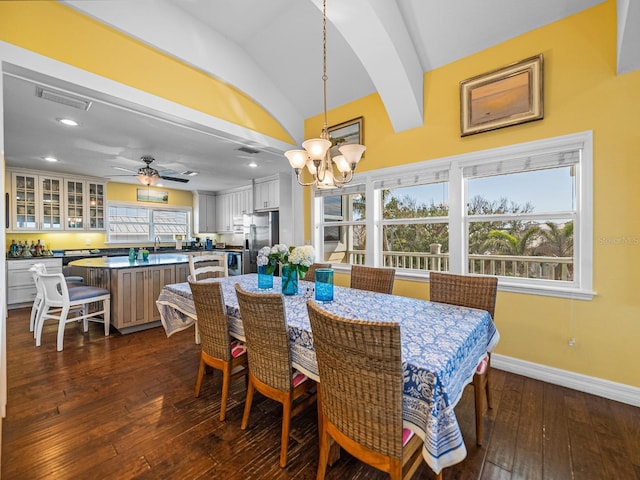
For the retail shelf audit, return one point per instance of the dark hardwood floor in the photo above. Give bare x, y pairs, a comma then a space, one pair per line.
122, 407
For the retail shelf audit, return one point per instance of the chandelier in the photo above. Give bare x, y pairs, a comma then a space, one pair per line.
317, 154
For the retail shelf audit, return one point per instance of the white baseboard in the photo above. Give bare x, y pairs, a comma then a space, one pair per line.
584, 383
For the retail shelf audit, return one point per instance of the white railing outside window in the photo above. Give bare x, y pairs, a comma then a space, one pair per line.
522, 213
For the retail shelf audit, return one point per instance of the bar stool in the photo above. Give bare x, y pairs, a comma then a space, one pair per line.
58, 300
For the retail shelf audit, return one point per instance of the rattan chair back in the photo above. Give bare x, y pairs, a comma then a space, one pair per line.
361, 381
210, 265
464, 290
374, 279
213, 323
310, 275
265, 329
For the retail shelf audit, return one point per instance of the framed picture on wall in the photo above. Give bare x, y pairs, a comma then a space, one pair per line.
351, 131
503, 97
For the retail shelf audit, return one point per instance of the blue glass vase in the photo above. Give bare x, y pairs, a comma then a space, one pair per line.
265, 280
289, 280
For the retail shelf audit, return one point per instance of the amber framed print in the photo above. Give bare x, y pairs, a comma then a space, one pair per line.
507, 96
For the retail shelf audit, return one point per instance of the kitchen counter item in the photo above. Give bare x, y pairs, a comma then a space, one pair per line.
124, 262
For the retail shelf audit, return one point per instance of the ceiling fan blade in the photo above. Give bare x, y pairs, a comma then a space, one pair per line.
175, 179
125, 169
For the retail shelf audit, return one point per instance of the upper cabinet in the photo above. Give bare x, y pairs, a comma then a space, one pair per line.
47, 203
267, 195
84, 205
272, 193
230, 206
206, 214
37, 202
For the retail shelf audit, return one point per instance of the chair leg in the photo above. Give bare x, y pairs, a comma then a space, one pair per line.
106, 316
199, 378
323, 457
61, 324
478, 383
247, 406
286, 423
85, 320
488, 384
226, 380
37, 304
39, 323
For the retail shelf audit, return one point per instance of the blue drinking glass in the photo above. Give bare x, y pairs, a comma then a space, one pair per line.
265, 280
324, 285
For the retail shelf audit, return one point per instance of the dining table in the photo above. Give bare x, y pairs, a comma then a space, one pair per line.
441, 347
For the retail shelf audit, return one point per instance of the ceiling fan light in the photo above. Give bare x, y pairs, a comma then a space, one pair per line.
316, 147
352, 153
148, 180
297, 158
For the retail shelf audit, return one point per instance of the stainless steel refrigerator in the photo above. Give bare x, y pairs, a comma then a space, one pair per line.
260, 229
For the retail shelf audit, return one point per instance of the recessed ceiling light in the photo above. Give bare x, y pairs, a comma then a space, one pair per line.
253, 164
68, 121
51, 159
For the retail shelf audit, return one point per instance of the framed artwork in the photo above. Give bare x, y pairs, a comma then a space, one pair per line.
156, 196
503, 97
350, 131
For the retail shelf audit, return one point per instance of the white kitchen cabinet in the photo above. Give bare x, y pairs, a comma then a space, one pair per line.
45, 203
223, 212
37, 202
230, 206
207, 214
21, 290
84, 205
267, 194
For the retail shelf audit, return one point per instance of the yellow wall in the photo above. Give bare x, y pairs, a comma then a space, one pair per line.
581, 92
57, 31
121, 192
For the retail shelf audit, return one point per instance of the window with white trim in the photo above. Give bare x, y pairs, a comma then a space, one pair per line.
129, 223
522, 213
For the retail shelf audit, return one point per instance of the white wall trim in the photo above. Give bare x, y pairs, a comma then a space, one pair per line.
583, 383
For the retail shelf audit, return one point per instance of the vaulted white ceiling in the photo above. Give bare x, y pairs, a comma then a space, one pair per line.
272, 50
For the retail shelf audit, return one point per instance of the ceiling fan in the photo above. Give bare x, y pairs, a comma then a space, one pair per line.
150, 176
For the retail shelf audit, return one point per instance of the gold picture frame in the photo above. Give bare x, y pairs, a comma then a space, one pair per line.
508, 96
351, 131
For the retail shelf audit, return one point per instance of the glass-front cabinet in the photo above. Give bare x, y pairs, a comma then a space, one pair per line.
85, 205
46, 203
96, 205
38, 202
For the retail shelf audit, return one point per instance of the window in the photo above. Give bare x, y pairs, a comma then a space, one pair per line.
134, 224
522, 213
343, 214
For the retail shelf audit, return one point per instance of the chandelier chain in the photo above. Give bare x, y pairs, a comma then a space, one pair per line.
324, 59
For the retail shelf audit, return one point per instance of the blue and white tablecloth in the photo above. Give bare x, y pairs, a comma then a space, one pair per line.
441, 347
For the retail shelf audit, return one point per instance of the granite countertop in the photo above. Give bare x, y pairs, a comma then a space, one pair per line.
154, 259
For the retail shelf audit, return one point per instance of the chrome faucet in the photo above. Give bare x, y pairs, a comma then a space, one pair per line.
156, 244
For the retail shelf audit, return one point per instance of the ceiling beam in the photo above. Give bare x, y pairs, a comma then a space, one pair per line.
376, 32
628, 36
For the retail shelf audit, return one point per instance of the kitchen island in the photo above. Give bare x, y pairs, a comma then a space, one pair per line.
134, 285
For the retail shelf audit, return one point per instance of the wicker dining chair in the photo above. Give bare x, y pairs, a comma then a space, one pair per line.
474, 292
310, 275
374, 279
360, 393
217, 350
270, 369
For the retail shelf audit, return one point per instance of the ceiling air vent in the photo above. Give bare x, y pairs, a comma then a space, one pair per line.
250, 150
63, 98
